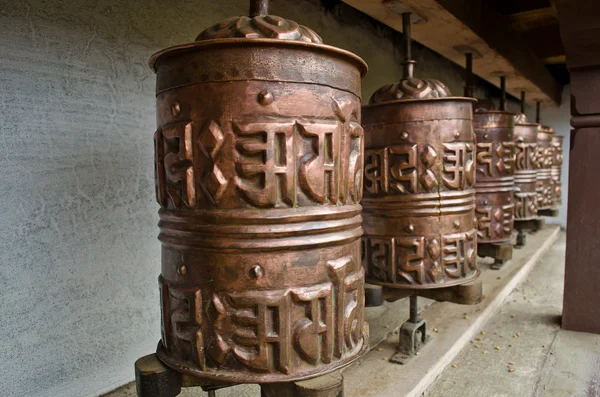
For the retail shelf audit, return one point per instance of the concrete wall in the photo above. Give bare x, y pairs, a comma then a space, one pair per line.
79, 258
559, 119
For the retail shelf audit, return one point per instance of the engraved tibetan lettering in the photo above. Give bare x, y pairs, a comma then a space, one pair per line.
182, 322
458, 162
174, 168
506, 158
349, 296
314, 334
403, 163
209, 143
376, 171
484, 221
484, 158
319, 173
380, 254
355, 162
458, 253
410, 256
266, 164
261, 340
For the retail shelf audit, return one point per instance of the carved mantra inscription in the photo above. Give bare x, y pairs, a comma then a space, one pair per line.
267, 331
525, 155
271, 163
494, 222
495, 155
417, 260
410, 169
525, 205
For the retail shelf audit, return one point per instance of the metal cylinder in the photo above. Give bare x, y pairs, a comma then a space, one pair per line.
544, 189
419, 187
525, 169
259, 176
557, 161
494, 183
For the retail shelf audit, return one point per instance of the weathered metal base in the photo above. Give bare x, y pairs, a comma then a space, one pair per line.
330, 385
548, 212
530, 225
154, 379
373, 295
464, 294
501, 252
412, 337
521, 239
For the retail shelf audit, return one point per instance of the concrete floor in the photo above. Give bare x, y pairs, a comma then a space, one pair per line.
522, 351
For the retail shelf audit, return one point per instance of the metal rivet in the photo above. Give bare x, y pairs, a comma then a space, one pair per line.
182, 270
175, 109
410, 228
256, 272
456, 224
457, 135
404, 135
265, 98
486, 136
485, 202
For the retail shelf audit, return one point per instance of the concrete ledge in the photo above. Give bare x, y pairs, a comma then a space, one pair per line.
456, 325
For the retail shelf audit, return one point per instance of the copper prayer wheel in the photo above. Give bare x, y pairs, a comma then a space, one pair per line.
494, 184
419, 187
544, 189
259, 176
557, 161
525, 169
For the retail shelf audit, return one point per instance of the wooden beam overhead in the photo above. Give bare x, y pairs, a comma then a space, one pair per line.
449, 24
533, 19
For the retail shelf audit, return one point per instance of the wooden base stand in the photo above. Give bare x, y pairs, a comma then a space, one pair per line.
154, 379
548, 212
501, 252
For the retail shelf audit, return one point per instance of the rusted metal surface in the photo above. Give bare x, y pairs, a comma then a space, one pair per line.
543, 188
557, 161
525, 169
259, 165
419, 187
495, 183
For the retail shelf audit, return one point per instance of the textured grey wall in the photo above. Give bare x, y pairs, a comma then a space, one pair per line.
559, 119
79, 258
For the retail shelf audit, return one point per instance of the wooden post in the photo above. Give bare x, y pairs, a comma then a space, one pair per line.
580, 26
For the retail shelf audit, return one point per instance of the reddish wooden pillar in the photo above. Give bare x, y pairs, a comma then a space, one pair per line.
580, 31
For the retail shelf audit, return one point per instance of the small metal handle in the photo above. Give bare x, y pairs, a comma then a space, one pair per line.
258, 8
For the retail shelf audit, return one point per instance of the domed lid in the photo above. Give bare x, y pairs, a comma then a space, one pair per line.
521, 119
410, 89
545, 129
260, 27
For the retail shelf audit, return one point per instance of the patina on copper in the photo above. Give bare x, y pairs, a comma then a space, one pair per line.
495, 184
525, 167
544, 188
419, 185
557, 161
259, 159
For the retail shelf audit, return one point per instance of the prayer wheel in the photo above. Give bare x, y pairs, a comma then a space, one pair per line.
494, 183
525, 169
544, 190
259, 161
557, 161
419, 177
